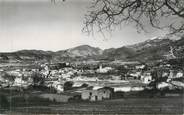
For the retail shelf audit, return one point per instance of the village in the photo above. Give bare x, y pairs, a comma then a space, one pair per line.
64, 82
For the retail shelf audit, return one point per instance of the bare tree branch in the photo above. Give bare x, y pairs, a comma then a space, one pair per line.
107, 14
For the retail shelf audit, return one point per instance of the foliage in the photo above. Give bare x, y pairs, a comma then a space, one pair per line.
37, 79
68, 85
9, 77
122, 69
108, 14
84, 85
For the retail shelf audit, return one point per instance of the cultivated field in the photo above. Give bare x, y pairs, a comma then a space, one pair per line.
167, 105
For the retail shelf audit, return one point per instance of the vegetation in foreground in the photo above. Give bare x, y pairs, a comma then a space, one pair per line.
148, 101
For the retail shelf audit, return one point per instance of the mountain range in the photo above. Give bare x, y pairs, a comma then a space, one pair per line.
152, 49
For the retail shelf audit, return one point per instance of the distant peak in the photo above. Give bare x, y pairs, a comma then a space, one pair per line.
157, 39
85, 45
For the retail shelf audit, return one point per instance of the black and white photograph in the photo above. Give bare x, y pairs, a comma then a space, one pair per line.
92, 57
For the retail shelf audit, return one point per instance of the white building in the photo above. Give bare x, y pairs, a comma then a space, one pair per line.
140, 66
146, 78
124, 89
15, 73
174, 74
136, 74
162, 85
19, 82
59, 88
179, 74
103, 70
97, 95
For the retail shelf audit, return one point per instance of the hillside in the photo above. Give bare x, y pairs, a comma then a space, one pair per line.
122, 53
149, 50
84, 51
26, 55
157, 48
162, 50
76, 53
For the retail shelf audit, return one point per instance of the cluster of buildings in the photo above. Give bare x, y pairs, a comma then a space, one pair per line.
16, 78
97, 95
55, 75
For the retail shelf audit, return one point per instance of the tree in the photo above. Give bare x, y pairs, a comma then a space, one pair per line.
38, 80
68, 85
10, 78
108, 14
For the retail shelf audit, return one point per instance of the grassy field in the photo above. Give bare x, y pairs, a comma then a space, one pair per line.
167, 105
138, 103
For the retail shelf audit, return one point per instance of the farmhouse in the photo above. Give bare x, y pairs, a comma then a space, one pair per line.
97, 95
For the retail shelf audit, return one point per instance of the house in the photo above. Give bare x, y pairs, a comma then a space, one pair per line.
146, 78
140, 66
18, 81
179, 74
77, 84
89, 94
123, 89
163, 85
59, 88
106, 92
115, 77
175, 74
137, 88
171, 74
165, 74
128, 88
103, 70
178, 84
136, 74
56, 84
15, 73
97, 95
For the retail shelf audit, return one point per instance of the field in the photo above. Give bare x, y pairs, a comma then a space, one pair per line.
139, 103
167, 105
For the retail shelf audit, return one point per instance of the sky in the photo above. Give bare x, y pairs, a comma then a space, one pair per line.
41, 25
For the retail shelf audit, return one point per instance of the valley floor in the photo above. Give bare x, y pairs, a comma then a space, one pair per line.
166, 105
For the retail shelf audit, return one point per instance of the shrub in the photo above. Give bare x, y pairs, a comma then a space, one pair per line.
68, 85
